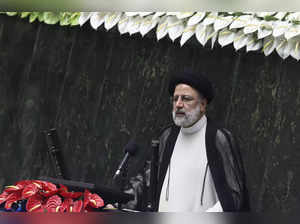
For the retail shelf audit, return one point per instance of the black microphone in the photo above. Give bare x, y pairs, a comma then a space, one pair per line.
130, 150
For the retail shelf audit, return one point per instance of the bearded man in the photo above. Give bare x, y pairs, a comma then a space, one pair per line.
199, 166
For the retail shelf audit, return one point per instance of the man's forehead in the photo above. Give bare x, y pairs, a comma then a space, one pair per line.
185, 88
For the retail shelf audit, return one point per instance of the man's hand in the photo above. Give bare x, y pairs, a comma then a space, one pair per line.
110, 207
216, 208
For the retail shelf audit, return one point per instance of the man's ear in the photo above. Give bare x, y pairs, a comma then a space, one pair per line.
203, 103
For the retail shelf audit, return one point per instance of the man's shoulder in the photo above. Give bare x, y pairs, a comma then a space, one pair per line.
224, 136
221, 133
165, 131
224, 132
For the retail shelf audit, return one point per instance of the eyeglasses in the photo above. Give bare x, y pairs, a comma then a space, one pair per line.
184, 98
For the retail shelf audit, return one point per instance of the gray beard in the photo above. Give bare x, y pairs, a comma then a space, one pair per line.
189, 119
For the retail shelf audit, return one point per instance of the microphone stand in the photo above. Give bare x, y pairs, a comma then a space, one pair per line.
152, 192
54, 151
119, 181
120, 177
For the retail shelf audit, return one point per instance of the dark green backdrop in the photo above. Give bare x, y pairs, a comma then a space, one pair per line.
100, 89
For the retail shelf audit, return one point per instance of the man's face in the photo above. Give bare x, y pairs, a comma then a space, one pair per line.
188, 106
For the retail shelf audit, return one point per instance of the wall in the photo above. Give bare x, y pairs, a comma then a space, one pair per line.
100, 89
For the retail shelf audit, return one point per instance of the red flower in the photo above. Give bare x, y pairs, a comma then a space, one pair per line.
66, 204
29, 191
73, 206
48, 194
78, 205
44, 196
46, 189
12, 198
13, 188
23, 183
35, 203
54, 204
38, 183
47, 186
3, 197
93, 200
63, 191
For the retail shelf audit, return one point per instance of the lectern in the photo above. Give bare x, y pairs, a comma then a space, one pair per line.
109, 195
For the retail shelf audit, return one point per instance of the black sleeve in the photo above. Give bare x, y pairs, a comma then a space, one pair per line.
238, 170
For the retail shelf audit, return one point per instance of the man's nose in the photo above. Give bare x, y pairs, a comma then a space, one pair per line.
179, 102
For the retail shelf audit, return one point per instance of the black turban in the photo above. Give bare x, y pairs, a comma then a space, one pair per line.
197, 81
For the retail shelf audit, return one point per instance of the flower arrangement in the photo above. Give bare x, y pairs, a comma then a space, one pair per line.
43, 196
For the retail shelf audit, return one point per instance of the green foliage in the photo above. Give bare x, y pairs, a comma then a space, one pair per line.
238, 14
11, 13
270, 18
295, 22
61, 18
33, 16
24, 14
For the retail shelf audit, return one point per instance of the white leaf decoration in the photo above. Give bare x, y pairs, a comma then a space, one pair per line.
196, 18
111, 19
172, 13
97, 19
142, 14
210, 32
84, 17
134, 24
226, 37
213, 39
175, 27
251, 29
263, 14
158, 14
279, 28
262, 33
188, 32
240, 40
295, 48
252, 26
283, 49
182, 15
241, 21
210, 18
162, 30
268, 45
130, 14
122, 25
222, 22
253, 45
280, 15
294, 16
264, 30
147, 24
203, 32
292, 31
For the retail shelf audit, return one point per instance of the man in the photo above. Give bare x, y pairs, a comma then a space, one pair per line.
199, 167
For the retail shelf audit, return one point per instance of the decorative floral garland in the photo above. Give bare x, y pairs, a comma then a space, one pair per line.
62, 18
42, 196
265, 31
255, 31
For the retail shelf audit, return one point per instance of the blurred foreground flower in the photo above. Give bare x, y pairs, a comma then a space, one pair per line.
42, 196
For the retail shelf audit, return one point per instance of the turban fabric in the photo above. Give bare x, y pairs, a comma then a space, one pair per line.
195, 80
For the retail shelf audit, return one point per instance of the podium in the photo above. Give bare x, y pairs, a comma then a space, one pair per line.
110, 196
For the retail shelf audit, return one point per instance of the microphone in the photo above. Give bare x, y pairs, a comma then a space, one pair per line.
130, 150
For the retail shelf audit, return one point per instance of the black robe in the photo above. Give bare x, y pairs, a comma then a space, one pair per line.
224, 161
